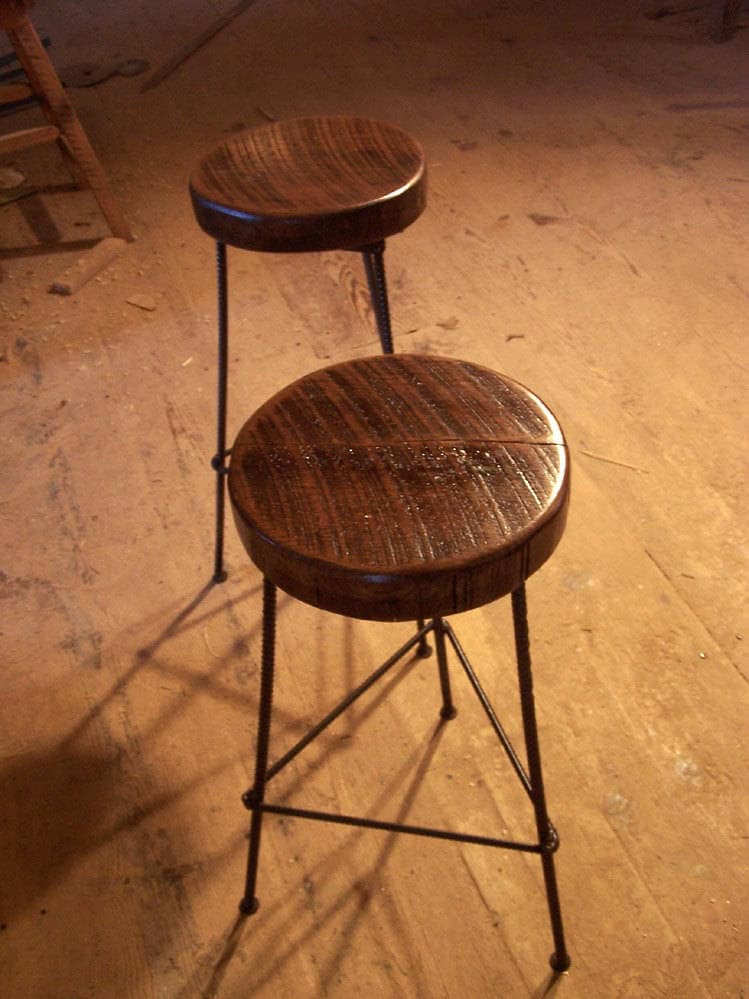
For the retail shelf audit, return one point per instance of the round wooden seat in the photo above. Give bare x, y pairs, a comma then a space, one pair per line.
400, 487
310, 184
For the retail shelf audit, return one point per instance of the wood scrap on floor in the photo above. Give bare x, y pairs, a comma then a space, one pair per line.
85, 268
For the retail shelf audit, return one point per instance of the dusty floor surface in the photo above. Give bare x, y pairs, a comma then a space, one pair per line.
586, 233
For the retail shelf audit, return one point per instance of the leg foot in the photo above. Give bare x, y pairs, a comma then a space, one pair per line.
448, 708
423, 649
220, 576
249, 906
560, 962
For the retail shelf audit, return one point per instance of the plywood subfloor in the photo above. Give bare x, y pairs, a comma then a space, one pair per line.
586, 233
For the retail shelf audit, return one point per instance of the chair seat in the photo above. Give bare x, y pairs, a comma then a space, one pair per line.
310, 184
400, 487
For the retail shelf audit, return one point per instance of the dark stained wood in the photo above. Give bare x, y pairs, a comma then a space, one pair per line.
310, 184
390, 488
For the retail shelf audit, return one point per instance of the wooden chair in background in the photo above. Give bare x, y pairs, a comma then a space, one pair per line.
63, 126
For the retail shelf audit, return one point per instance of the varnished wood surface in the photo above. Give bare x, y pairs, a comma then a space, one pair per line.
390, 488
310, 184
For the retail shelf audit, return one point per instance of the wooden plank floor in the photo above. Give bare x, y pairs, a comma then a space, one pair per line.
586, 234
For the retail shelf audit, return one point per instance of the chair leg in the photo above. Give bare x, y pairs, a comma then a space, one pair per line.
59, 111
374, 265
423, 649
219, 460
448, 709
253, 799
560, 959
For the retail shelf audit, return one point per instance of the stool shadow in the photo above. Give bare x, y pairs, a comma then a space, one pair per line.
54, 808
63, 802
142, 656
146, 657
43, 226
208, 680
549, 986
329, 748
149, 656
231, 941
58, 807
362, 890
44, 249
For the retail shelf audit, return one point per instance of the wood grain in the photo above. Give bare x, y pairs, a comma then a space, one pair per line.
389, 488
310, 184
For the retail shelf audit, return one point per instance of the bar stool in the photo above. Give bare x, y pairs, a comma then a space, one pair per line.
298, 186
394, 488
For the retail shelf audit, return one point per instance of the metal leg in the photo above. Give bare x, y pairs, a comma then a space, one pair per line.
560, 959
253, 799
448, 709
547, 839
218, 463
374, 265
424, 649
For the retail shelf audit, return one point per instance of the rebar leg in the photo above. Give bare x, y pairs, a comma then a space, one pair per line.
423, 649
448, 709
218, 463
560, 959
253, 799
374, 265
